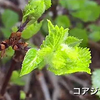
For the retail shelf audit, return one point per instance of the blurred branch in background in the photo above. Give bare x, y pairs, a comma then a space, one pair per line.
94, 45
9, 5
43, 85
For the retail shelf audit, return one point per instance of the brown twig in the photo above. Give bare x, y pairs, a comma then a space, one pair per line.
27, 82
54, 79
21, 28
7, 96
44, 86
3, 89
62, 81
77, 80
54, 8
94, 45
16, 58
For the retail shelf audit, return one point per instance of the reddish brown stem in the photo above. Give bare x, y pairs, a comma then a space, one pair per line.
18, 56
21, 28
3, 89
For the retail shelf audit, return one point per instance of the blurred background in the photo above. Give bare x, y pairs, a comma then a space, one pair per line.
82, 17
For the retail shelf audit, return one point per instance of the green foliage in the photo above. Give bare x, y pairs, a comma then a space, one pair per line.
81, 12
94, 27
86, 10
94, 32
63, 21
61, 57
95, 36
14, 29
44, 28
30, 61
79, 25
35, 9
8, 55
6, 32
90, 12
96, 80
73, 41
81, 34
68, 60
30, 30
47, 3
9, 52
22, 95
73, 4
9, 19
16, 79
56, 36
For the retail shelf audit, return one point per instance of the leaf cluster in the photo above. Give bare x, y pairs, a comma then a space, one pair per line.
60, 52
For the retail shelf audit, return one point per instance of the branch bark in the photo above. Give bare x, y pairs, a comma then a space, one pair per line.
94, 45
7, 78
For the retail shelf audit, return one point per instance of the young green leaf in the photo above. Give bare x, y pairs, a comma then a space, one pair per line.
31, 30
56, 36
14, 29
73, 41
69, 60
30, 62
22, 95
60, 52
35, 9
47, 3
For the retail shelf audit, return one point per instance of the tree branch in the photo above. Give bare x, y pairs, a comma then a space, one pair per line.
21, 28
18, 56
44, 86
3, 89
94, 45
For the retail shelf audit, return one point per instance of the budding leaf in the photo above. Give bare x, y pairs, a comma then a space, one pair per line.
30, 61
47, 3
68, 60
31, 30
56, 36
35, 9
73, 41
61, 53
